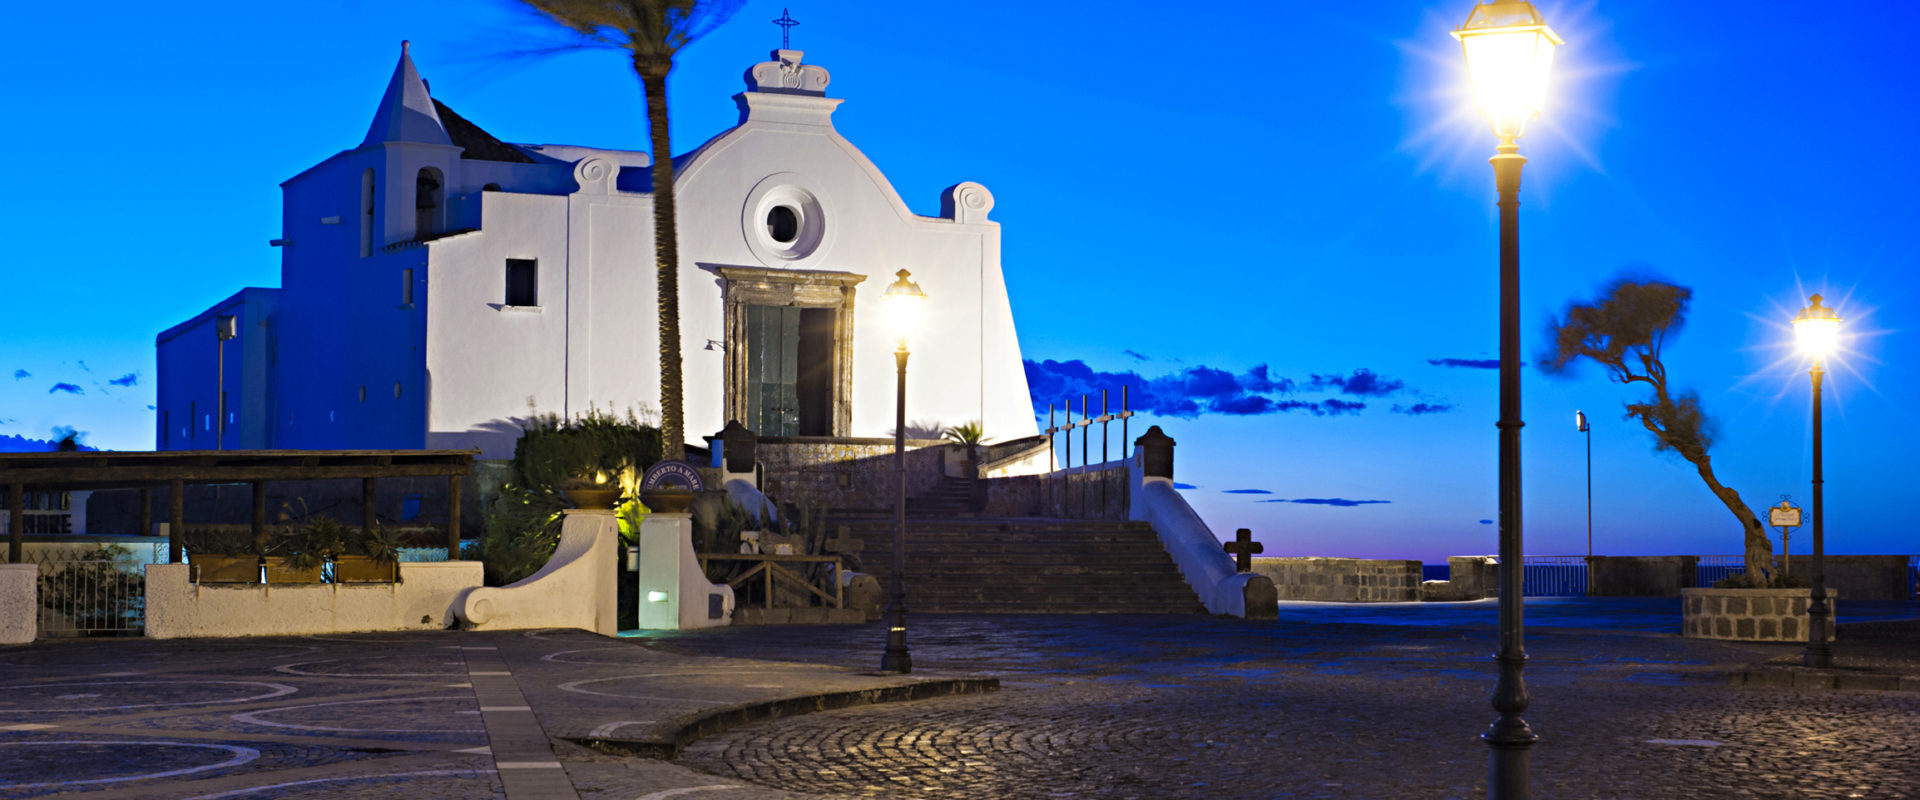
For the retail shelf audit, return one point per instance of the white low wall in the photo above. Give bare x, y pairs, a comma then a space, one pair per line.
422, 600
574, 590
19, 603
1202, 561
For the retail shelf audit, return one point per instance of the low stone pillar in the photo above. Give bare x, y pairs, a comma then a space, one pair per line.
1156, 453
1750, 615
737, 447
19, 602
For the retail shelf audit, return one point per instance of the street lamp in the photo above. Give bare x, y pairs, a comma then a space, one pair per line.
1509, 52
1818, 329
901, 307
1580, 424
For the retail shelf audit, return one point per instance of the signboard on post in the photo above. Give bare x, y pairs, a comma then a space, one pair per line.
1785, 515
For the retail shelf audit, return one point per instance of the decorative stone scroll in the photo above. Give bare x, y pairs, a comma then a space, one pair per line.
786, 75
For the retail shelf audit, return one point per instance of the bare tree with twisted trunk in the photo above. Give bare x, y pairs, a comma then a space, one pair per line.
652, 32
1623, 330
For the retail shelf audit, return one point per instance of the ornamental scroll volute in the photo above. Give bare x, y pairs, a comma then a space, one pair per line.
785, 74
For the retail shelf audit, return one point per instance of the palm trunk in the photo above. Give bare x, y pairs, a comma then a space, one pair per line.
666, 251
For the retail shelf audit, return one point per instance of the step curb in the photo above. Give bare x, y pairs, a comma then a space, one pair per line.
667, 744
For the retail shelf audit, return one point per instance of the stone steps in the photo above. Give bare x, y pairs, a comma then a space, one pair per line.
1025, 565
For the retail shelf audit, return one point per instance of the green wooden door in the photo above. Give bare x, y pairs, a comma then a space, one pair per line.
773, 370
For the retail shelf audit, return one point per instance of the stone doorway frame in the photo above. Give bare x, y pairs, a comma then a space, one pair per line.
761, 286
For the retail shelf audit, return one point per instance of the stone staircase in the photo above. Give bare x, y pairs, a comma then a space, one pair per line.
1024, 565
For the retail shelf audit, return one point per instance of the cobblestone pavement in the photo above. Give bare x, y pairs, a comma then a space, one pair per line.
425, 716
1169, 707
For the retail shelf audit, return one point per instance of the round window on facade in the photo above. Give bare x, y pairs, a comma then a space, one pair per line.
783, 224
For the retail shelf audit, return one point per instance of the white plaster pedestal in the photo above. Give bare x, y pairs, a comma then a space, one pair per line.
674, 591
575, 589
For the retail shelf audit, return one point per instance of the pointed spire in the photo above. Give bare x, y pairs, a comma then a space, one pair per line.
406, 112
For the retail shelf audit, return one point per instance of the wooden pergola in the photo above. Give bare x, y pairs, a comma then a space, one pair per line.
175, 469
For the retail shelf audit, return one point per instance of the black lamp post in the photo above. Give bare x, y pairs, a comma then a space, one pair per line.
1818, 328
901, 305
1580, 424
1509, 52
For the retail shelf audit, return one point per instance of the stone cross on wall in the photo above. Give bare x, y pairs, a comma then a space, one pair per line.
843, 542
1243, 547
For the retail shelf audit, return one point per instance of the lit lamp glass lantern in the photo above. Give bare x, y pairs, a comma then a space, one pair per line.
1817, 329
901, 306
1509, 56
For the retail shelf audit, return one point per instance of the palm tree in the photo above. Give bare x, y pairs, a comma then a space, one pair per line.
652, 32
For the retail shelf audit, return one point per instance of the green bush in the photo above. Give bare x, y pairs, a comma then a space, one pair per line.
522, 525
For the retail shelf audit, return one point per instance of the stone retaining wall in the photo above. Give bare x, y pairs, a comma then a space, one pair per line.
1755, 615
1342, 580
845, 474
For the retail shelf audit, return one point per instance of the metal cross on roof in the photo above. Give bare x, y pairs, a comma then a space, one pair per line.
786, 23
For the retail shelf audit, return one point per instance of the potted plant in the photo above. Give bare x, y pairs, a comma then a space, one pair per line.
367, 555
223, 555
585, 458
305, 549
970, 435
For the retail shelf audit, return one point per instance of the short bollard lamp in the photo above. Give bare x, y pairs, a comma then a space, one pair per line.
901, 307
1509, 51
1818, 330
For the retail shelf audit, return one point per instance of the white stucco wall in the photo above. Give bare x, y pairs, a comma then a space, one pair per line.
1202, 561
574, 590
422, 600
19, 603
469, 368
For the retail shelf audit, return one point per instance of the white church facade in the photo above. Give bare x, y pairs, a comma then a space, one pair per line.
437, 285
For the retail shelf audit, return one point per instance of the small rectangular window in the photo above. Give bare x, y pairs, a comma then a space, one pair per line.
523, 282
406, 287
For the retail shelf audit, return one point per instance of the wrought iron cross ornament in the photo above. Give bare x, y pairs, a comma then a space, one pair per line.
786, 23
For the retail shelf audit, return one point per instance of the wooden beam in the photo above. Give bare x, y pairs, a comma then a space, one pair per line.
176, 519
74, 476
453, 517
259, 509
16, 520
366, 505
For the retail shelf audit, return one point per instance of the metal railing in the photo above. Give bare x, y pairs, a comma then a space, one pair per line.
1553, 576
94, 592
1713, 569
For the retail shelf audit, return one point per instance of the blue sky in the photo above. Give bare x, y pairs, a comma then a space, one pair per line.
1182, 196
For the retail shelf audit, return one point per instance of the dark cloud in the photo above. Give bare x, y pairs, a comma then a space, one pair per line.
1362, 382
1337, 406
1419, 409
1469, 363
128, 379
21, 374
1137, 355
1246, 491
1337, 501
1185, 486
1486, 522
66, 387
1190, 392
153, 408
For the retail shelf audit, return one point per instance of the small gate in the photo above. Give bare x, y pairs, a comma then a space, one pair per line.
99, 591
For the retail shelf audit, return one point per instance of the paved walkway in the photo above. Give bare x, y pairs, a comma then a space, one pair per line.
442, 715
1331, 701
